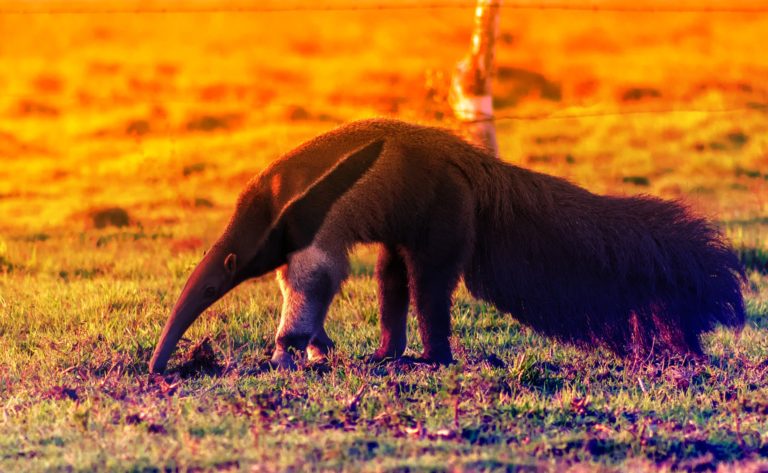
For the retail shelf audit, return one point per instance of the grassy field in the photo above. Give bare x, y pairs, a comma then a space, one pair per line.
125, 138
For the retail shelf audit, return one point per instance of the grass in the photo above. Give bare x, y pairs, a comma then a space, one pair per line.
124, 140
80, 320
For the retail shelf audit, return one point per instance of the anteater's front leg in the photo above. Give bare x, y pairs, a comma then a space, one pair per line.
392, 277
308, 283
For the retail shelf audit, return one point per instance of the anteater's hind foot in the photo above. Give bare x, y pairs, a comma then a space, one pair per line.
442, 357
432, 288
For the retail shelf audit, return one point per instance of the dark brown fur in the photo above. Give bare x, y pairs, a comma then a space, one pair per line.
628, 273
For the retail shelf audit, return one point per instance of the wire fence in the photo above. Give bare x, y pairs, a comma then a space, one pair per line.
647, 7
556, 114
618, 113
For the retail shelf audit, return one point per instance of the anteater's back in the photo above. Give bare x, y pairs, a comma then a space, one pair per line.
422, 173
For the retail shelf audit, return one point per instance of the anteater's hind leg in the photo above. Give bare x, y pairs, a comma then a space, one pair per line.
392, 276
432, 286
308, 283
435, 263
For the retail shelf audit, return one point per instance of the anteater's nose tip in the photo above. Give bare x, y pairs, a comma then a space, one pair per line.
156, 367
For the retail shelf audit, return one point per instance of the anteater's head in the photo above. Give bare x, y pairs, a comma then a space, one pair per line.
259, 239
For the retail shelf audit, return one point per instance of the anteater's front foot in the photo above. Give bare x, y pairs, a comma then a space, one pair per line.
282, 360
319, 347
287, 347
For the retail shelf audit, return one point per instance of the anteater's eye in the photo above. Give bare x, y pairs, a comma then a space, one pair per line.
210, 291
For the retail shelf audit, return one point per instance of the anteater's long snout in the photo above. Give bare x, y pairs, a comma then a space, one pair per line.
194, 299
184, 313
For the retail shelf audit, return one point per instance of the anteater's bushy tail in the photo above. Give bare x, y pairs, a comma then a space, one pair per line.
629, 273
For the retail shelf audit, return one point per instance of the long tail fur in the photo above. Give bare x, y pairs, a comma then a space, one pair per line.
629, 273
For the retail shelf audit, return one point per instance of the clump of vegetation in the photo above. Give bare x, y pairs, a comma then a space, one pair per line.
539, 158
635, 94
137, 127
194, 168
751, 173
110, 217
637, 180
530, 372
211, 122
141, 234
737, 139
6, 266
732, 141
39, 236
514, 84
33, 107
200, 360
296, 113
203, 202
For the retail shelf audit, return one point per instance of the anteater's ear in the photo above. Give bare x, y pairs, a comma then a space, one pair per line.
303, 216
300, 219
230, 263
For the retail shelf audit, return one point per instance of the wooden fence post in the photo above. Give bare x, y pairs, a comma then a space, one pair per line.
470, 95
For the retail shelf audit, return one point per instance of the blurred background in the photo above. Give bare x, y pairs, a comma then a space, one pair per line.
153, 115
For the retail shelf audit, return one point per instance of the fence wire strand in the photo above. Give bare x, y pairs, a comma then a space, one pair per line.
361, 6
616, 113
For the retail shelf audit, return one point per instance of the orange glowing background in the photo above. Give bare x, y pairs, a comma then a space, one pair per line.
165, 109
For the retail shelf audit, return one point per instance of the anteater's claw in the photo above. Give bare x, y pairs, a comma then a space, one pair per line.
282, 361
